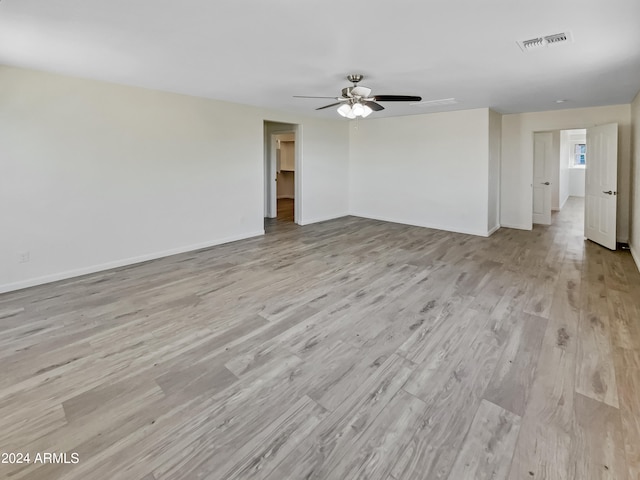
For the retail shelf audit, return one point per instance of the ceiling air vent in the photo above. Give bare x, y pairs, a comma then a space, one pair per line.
532, 43
540, 42
557, 38
435, 103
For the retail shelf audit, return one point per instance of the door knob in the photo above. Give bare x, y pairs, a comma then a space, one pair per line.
545, 183
609, 192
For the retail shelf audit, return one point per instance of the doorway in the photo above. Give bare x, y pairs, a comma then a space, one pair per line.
282, 168
571, 168
577, 168
285, 176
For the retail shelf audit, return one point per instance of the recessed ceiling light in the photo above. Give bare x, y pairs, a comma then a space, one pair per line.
561, 101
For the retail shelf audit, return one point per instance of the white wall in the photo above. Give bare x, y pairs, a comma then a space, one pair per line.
517, 158
324, 169
427, 170
576, 182
555, 170
495, 149
634, 240
95, 175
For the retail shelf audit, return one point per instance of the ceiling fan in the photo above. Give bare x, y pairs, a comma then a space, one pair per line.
356, 101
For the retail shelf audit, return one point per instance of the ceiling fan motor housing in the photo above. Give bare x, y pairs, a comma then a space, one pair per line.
346, 92
358, 101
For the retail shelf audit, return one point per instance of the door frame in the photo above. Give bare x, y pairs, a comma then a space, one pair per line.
272, 174
272, 128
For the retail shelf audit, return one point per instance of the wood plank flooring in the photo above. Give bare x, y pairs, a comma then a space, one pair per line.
349, 349
285, 209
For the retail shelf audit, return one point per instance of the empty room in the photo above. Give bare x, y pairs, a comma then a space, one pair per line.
319, 240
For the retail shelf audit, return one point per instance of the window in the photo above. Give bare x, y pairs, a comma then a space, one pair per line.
580, 155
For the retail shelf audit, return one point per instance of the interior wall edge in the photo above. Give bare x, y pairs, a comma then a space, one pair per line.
636, 256
493, 230
634, 201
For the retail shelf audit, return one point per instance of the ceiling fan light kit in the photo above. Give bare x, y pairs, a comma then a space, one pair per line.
355, 110
357, 101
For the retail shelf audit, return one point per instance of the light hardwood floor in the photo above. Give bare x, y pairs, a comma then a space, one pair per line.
347, 349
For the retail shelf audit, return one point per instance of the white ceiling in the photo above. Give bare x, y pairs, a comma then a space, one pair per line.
262, 52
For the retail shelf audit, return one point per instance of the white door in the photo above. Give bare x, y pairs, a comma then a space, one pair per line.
601, 180
542, 165
271, 175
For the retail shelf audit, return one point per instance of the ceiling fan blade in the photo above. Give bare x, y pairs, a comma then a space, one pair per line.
360, 91
397, 98
376, 107
330, 105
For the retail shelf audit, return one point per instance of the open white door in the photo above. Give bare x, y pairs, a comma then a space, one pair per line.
272, 173
601, 183
541, 177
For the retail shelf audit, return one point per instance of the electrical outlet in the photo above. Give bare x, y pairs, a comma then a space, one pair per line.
24, 257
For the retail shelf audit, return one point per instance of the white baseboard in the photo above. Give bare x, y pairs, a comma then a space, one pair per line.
564, 203
54, 277
636, 256
493, 230
445, 228
309, 221
517, 227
